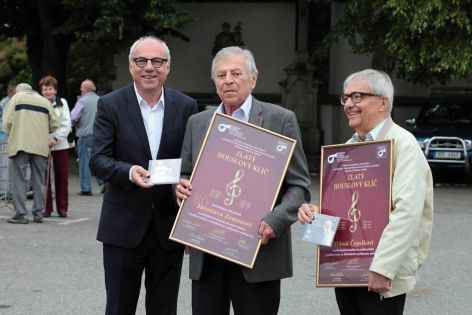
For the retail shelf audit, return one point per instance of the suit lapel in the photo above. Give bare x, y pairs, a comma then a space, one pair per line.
136, 118
256, 116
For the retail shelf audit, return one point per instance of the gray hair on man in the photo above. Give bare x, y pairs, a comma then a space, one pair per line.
232, 50
23, 87
139, 40
89, 85
378, 81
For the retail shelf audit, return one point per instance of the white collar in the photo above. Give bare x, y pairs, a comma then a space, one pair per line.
242, 113
141, 100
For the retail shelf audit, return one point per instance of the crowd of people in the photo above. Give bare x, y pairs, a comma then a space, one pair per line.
120, 132
37, 127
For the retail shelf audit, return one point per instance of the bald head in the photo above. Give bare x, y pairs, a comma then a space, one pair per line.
87, 86
23, 87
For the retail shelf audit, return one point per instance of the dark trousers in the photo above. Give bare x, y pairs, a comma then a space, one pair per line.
359, 301
223, 282
61, 182
123, 273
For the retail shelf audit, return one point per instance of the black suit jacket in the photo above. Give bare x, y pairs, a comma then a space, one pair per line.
119, 142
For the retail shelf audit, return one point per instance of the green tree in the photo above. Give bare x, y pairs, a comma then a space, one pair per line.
14, 66
422, 41
97, 29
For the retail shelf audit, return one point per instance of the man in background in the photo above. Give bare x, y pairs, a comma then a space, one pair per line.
3, 103
10, 92
83, 116
28, 121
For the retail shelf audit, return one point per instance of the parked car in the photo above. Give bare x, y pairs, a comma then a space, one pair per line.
443, 129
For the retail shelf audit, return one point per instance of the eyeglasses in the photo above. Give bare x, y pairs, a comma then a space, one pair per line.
356, 97
156, 61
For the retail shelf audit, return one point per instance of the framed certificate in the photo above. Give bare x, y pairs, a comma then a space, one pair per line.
355, 186
235, 183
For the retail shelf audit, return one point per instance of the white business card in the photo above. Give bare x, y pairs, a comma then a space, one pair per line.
164, 171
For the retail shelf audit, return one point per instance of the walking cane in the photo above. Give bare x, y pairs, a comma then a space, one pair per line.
48, 175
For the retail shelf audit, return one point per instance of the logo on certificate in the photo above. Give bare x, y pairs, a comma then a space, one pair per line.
341, 156
232, 130
281, 147
223, 127
381, 151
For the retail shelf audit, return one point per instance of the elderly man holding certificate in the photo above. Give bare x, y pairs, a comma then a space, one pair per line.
216, 282
404, 242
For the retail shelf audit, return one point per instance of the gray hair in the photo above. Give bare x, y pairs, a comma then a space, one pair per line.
89, 85
378, 81
234, 50
23, 87
133, 47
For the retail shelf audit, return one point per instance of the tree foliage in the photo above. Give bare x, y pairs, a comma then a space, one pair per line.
96, 30
14, 66
422, 41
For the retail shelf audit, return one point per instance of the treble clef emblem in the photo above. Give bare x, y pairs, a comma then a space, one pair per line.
232, 189
354, 214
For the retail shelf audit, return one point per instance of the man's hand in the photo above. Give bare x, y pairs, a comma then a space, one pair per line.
139, 176
182, 190
379, 283
306, 213
265, 232
52, 142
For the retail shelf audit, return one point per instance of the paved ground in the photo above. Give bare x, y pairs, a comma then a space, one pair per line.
56, 267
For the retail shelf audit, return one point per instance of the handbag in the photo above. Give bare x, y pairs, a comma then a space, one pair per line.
70, 137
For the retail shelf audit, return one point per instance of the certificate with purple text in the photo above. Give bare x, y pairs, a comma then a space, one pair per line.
235, 183
355, 186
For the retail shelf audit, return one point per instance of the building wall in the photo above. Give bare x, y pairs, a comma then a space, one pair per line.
268, 30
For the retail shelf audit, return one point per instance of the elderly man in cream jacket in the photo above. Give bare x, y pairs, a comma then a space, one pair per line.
404, 244
28, 121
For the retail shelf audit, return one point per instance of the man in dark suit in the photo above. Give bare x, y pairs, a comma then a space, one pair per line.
137, 123
217, 282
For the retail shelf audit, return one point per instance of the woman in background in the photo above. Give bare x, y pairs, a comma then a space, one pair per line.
59, 146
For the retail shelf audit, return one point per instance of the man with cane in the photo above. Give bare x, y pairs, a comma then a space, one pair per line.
28, 121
